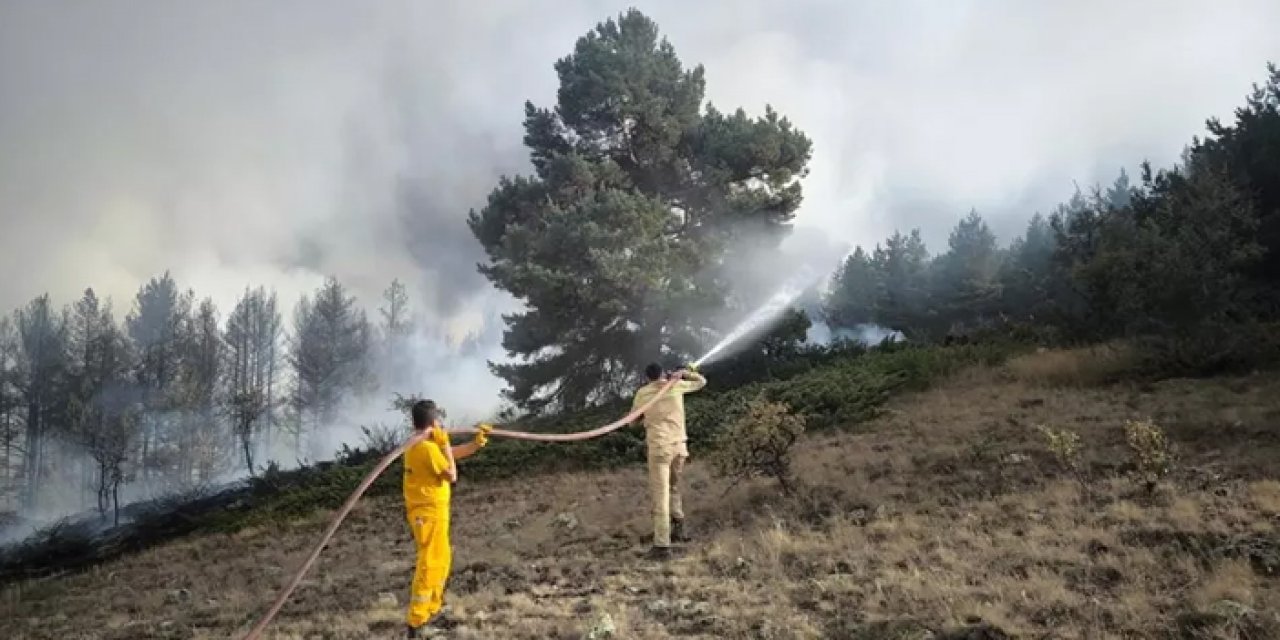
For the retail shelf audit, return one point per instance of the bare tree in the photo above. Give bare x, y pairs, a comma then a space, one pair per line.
121, 407
204, 441
103, 401
10, 421
251, 342
330, 355
41, 368
395, 315
393, 358
155, 325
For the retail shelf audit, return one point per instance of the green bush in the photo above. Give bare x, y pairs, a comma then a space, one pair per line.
1211, 349
758, 443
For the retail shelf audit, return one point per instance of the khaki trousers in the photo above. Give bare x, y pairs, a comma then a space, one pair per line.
665, 468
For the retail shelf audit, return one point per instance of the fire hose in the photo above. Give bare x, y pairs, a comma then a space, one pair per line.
386, 461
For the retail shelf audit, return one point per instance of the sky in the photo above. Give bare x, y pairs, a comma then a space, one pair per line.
241, 143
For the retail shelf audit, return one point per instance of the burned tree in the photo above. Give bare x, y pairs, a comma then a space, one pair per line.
41, 373
155, 325
250, 355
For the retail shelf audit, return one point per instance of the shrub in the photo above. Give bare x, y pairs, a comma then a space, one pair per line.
1151, 455
382, 439
1211, 349
1064, 444
758, 443
376, 441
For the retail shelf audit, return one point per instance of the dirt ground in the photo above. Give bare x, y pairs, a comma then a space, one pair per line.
945, 518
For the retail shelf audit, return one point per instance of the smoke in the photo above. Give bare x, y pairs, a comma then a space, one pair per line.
243, 144
865, 334
428, 364
238, 143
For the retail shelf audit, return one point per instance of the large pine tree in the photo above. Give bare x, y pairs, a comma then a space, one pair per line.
615, 243
329, 354
854, 291
902, 296
965, 285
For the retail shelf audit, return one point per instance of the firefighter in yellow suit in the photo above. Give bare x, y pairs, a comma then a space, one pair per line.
430, 466
666, 443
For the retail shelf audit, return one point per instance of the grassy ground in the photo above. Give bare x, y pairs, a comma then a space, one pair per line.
946, 515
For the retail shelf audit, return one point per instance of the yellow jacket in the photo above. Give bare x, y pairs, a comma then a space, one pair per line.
426, 480
664, 421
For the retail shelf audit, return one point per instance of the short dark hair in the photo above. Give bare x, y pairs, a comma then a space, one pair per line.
653, 371
424, 413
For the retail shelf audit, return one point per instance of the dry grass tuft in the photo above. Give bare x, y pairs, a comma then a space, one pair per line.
1265, 496
1231, 580
1081, 367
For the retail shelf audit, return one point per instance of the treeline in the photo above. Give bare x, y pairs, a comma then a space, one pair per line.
174, 396
1186, 260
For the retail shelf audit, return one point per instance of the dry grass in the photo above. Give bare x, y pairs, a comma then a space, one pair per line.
947, 512
1082, 367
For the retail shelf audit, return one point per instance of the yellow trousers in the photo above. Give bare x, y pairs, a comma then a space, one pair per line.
431, 535
665, 467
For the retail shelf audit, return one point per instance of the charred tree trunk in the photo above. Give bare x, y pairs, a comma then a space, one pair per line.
31, 462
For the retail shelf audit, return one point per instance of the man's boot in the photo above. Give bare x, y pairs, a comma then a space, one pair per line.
677, 530
415, 632
659, 553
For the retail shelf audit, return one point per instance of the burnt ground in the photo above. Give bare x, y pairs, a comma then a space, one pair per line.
947, 517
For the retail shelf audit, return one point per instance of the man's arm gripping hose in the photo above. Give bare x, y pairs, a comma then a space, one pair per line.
386, 461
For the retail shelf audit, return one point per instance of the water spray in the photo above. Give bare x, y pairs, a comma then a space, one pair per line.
766, 313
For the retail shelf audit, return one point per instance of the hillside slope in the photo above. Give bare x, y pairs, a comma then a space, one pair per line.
946, 514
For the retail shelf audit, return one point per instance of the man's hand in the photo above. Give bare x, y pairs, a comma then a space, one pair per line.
482, 434
440, 437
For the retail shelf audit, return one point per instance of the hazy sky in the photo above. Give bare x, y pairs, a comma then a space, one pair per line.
245, 143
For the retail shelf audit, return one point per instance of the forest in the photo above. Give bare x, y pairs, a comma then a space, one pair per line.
622, 244
175, 396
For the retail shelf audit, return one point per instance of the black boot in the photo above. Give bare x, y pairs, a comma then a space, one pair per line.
659, 553
415, 632
677, 531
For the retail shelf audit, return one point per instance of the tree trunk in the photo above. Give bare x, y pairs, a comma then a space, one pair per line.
102, 490
246, 441
115, 496
268, 434
146, 449
8, 459
185, 450
31, 462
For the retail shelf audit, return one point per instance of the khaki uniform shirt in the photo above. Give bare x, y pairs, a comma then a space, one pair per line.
664, 420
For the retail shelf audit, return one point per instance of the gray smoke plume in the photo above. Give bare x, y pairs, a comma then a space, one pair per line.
240, 143
245, 143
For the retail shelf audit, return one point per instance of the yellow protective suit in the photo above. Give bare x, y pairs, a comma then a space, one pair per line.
426, 501
667, 446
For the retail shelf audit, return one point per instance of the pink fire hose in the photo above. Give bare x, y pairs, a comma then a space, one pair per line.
386, 461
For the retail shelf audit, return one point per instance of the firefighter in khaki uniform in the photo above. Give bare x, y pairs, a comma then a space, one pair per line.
430, 466
667, 447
